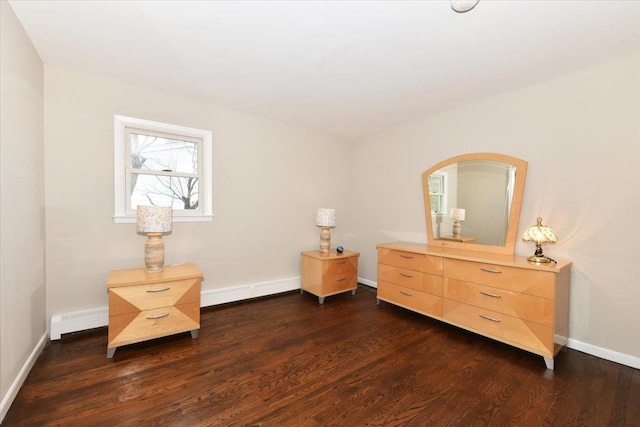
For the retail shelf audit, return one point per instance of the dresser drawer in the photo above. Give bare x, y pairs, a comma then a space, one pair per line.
533, 336
340, 266
133, 299
130, 328
410, 298
535, 309
410, 261
521, 280
400, 276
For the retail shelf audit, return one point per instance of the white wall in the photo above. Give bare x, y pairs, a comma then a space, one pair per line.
268, 180
581, 137
22, 275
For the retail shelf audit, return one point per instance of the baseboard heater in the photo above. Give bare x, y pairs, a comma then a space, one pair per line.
99, 317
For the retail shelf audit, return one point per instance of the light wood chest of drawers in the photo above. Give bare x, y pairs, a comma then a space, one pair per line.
325, 275
143, 306
499, 296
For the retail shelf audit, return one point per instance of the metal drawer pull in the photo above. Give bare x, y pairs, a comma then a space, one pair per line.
491, 270
341, 279
157, 316
406, 293
489, 294
493, 319
158, 290
405, 275
406, 256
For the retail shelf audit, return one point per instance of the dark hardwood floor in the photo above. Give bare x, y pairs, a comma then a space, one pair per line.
288, 361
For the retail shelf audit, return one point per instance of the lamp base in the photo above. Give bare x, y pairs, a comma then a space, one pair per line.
154, 253
325, 240
456, 229
539, 259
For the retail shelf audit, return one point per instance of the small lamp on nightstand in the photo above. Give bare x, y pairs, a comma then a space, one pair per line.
457, 215
325, 219
539, 234
153, 221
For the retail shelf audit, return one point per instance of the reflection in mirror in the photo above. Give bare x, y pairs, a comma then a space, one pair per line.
473, 201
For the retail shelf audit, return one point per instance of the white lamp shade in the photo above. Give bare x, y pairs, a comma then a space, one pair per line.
458, 214
326, 217
540, 234
154, 219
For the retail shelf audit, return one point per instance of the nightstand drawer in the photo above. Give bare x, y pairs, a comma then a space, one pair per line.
532, 282
410, 298
535, 309
338, 283
535, 337
130, 328
132, 299
340, 266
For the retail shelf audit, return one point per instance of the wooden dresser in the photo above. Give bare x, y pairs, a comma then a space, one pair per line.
325, 275
143, 306
503, 297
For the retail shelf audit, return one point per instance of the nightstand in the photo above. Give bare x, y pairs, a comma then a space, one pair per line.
325, 275
144, 306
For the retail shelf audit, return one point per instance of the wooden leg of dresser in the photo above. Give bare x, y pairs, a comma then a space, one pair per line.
353, 292
549, 362
195, 333
111, 352
321, 300
377, 301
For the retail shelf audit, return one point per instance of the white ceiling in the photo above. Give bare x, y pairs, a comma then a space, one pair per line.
346, 67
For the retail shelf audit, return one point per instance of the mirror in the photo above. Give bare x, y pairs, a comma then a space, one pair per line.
473, 201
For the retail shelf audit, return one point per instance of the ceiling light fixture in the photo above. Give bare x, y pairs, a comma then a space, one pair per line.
462, 6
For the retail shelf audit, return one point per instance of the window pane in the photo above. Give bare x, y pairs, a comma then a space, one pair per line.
163, 154
435, 184
176, 191
434, 202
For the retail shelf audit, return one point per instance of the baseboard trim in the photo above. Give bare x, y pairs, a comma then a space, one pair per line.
22, 376
368, 282
603, 353
219, 296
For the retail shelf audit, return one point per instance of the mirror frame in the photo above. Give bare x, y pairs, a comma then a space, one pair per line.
514, 213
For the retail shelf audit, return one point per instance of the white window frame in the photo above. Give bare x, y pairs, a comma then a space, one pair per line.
443, 195
121, 174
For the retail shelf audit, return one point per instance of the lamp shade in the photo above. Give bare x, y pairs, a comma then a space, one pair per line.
458, 214
462, 6
326, 217
154, 219
540, 234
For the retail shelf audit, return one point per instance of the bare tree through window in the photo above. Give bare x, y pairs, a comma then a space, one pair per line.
164, 171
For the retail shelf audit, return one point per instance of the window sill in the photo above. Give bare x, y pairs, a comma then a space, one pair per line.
193, 218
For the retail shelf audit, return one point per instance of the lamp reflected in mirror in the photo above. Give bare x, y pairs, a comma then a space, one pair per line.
539, 234
457, 215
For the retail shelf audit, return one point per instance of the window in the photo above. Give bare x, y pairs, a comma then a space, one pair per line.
162, 164
437, 199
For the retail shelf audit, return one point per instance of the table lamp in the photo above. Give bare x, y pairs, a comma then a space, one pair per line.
325, 219
457, 215
153, 221
539, 234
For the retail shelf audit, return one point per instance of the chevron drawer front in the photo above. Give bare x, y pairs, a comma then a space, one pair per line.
144, 306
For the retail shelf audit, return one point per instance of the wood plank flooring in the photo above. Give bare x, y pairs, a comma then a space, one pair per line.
288, 361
